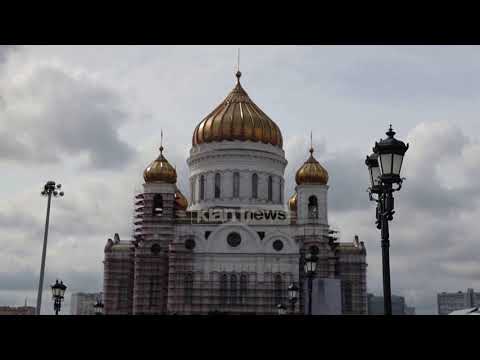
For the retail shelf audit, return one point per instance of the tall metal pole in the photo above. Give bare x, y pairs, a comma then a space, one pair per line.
292, 306
44, 253
386, 204
301, 282
310, 294
57, 306
387, 295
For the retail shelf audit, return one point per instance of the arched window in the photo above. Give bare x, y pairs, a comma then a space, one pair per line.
157, 208
233, 289
270, 188
202, 187
254, 186
188, 288
243, 288
278, 289
236, 185
223, 289
313, 207
155, 249
217, 185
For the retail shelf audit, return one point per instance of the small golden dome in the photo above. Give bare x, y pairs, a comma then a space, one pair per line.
292, 202
237, 118
311, 172
160, 170
181, 202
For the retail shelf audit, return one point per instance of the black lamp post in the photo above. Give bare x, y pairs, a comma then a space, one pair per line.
58, 290
384, 167
292, 296
99, 307
49, 189
310, 269
282, 310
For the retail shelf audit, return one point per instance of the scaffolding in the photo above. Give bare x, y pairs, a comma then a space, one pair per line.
158, 274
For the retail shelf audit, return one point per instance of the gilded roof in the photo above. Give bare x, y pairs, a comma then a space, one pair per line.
160, 170
311, 172
237, 118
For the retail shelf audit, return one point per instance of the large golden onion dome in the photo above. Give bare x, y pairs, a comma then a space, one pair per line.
237, 118
160, 170
292, 202
181, 202
311, 172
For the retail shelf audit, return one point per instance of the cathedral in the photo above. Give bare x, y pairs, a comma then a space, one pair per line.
237, 245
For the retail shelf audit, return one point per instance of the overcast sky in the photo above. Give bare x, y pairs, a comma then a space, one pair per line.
90, 118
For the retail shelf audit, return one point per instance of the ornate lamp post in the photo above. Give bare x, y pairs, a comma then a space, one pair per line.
98, 307
292, 296
49, 189
58, 290
282, 310
384, 167
310, 268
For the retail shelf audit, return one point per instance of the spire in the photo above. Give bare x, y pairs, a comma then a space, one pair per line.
311, 143
238, 59
238, 74
161, 142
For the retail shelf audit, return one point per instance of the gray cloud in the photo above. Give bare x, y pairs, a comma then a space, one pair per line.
5, 50
428, 196
22, 280
52, 114
17, 219
429, 73
12, 149
27, 280
348, 181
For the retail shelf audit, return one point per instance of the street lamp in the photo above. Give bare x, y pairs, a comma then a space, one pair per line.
384, 167
98, 307
282, 310
310, 268
58, 290
292, 296
49, 189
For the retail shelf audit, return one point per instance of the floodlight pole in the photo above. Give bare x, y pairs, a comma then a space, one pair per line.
44, 253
